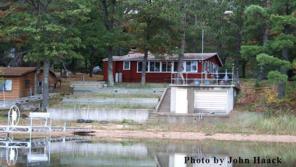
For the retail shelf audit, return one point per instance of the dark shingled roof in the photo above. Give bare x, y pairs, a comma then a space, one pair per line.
16, 71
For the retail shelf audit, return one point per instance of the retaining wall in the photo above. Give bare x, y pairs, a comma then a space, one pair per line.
138, 115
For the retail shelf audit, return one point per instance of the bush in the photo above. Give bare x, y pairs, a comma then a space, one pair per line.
276, 76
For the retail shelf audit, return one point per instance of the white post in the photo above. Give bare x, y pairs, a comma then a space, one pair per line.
202, 52
3, 92
202, 41
232, 75
217, 77
31, 124
65, 124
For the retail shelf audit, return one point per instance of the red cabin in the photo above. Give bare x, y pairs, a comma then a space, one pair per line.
160, 68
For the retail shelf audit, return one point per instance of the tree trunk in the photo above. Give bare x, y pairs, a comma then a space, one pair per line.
283, 70
182, 48
265, 36
180, 60
45, 93
238, 46
281, 84
285, 55
265, 40
92, 61
243, 64
61, 72
144, 64
261, 69
281, 90
89, 66
36, 80
86, 68
90, 71
110, 67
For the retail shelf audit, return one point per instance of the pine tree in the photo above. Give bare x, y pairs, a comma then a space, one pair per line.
47, 30
277, 41
152, 28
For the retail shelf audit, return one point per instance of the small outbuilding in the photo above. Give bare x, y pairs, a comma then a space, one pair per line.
16, 82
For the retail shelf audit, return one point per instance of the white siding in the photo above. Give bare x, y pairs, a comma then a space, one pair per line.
210, 100
214, 100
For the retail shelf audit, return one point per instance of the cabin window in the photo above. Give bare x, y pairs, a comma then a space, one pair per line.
126, 65
166, 67
6, 85
154, 66
139, 66
175, 66
27, 83
190, 66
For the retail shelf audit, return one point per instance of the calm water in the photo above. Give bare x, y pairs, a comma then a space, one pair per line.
89, 152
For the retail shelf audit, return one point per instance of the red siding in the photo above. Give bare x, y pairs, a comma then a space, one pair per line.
133, 76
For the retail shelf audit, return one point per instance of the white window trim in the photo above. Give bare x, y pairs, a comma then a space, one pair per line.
129, 65
148, 66
160, 65
172, 67
184, 67
170, 62
4, 85
138, 67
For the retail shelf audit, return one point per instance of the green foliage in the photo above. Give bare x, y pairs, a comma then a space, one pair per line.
150, 27
280, 21
272, 27
248, 51
276, 76
68, 30
256, 19
265, 59
256, 10
293, 78
283, 41
48, 32
294, 64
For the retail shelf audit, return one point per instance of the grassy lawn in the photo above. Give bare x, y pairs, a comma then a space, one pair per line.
238, 122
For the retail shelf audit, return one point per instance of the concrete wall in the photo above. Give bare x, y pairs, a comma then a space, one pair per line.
149, 102
214, 100
85, 88
137, 115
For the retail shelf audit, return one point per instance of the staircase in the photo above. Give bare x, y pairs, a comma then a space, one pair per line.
165, 103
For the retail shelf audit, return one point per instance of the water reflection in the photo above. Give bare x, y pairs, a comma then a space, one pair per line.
87, 152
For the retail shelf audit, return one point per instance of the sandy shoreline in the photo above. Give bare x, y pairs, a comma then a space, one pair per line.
137, 134
193, 136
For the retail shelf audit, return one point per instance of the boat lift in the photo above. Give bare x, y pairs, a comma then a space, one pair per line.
12, 145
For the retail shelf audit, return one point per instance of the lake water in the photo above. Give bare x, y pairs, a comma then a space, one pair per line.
90, 152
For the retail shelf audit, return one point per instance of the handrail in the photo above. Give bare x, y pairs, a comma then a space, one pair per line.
207, 78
